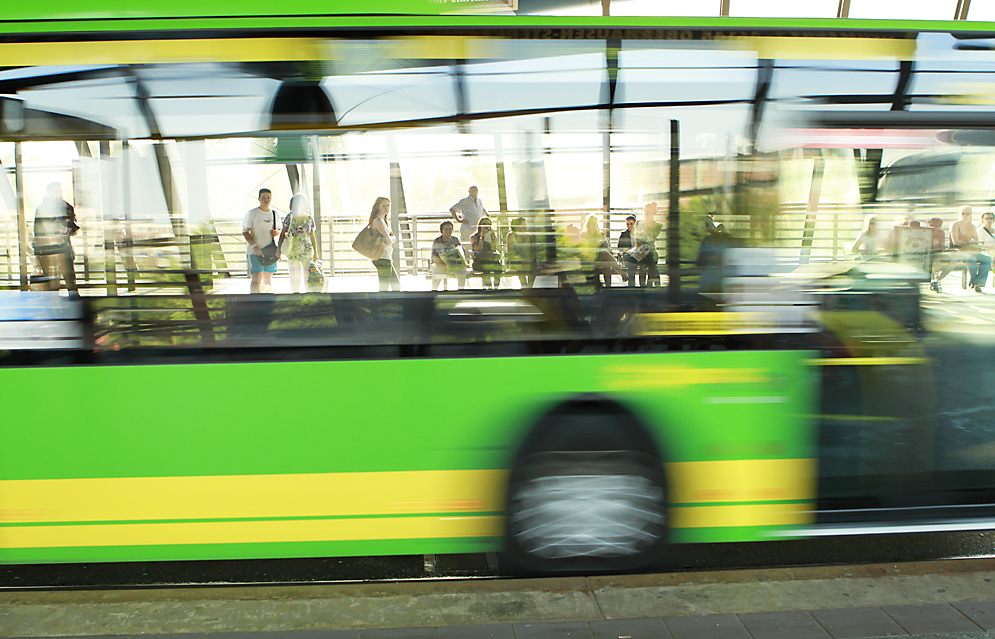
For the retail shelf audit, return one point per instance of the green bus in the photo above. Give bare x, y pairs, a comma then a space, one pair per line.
571, 428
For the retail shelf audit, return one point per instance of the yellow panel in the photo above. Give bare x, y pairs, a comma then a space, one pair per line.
635, 376
741, 480
250, 532
786, 48
720, 323
251, 496
742, 515
14, 54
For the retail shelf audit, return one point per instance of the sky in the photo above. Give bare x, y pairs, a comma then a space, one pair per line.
865, 9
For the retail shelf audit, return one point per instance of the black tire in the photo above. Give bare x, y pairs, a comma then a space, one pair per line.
587, 494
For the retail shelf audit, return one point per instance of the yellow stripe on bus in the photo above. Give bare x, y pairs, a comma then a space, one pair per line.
742, 515
236, 532
14, 54
742, 480
252, 496
354, 506
867, 361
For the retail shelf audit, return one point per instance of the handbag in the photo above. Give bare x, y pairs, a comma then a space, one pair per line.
288, 243
271, 251
368, 243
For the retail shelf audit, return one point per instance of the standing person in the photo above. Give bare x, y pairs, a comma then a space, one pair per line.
447, 258
964, 237
385, 266
298, 226
259, 230
55, 223
473, 211
485, 259
522, 254
647, 231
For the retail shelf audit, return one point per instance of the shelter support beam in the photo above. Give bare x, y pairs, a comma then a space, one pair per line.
22, 218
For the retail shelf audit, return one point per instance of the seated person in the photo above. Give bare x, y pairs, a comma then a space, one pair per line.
596, 252
522, 254
964, 237
868, 244
486, 260
447, 258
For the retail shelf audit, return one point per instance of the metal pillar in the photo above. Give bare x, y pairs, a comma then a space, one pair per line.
316, 199
811, 211
674, 216
22, 218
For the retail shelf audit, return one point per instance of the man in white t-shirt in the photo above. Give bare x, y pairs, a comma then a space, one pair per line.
472, 209
259, 227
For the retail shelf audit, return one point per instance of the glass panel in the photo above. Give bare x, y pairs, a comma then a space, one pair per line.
641, 147
892, 9
982, 11
784, 8
543, 83
692, 74
236, 170
190, 100
663, 8
439, 165
109, 101
811, 81
392, 96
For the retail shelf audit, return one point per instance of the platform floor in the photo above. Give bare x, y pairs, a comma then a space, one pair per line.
927, 599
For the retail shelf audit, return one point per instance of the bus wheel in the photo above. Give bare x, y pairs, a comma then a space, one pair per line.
578, 508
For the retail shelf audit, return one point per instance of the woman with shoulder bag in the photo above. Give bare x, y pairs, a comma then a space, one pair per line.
378, 224
297, 241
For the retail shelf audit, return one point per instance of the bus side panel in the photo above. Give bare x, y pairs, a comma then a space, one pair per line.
128, 463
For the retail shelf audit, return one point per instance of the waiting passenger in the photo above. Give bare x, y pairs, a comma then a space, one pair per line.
297, 242
522, 254
486, 261
598, 254
55, 223
868, 244
259, 230
964, 237
384, 264
447, 258
472, 209
641, 257
986, 234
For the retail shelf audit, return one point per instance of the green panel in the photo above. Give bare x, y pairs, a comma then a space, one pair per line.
250, 551
233, 419
725, 534
66, 17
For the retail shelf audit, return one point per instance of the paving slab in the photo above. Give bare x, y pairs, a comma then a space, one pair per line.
854, 623
783, 625
980, 612
924, 619
630, 629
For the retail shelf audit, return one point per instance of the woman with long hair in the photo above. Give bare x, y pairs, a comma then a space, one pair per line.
597, 248
486, 261
384, 264
298, 230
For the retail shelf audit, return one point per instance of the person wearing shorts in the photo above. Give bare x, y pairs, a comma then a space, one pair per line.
259, 231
